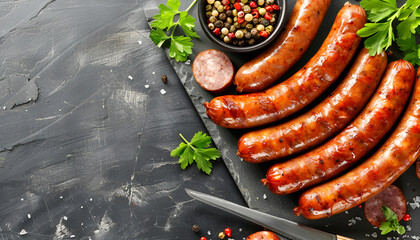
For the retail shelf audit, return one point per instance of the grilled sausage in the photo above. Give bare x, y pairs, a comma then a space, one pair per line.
288, 48
255, 109
263, 235
213, 70
323, 121
355, 141
391, 197
398, 153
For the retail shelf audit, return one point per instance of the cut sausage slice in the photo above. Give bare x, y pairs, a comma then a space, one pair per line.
213, 70
418, 168
263, 235
391, 197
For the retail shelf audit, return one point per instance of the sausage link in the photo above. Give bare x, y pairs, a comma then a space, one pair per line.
398, 153
288, 48
350, 145
255, 109
323, 121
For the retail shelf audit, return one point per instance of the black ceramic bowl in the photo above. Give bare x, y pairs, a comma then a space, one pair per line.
229, 47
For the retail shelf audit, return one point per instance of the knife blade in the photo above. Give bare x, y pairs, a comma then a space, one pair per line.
282, 226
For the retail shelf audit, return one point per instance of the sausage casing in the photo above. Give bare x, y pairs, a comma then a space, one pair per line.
303, 24
288, 97
397, 154
355, 141
321, 122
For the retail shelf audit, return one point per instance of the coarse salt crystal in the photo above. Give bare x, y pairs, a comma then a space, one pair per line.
374, 235
130, 77
140, 42
162, 91
388, 238
358, 218
91, 199
4, 108
240, 229
29, 215
265, 196
347, 212
72, 236
65, 218
61, 197
23, 232
146, 86
188, 62
408, 228
81, 206
209, 233
153, 73
21, 199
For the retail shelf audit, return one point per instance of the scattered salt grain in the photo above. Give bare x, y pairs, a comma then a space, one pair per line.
347, 212
146, 86
59, 110
265, 196
415, 237
65, 218
358, 218
153, 73
29, 215
240, 229
81, 224
22, 199
374, 235
91, 199
367, 235
72, 236
188, 62
23, 232
130, 77
4, 108
81, 206
162, 91
61, 197
209, 233
408, 228
140, 42
388, 238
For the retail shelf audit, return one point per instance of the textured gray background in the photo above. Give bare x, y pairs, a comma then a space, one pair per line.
84, 150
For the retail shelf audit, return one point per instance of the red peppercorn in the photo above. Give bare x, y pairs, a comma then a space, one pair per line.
225, 2
267, 16
231, 36
203, 238
264, 34
269, 9
255, 14
407, 217
227, 7
216, 31
360, 206
241, 20
228, 232
275, 7
253, 4
237, 6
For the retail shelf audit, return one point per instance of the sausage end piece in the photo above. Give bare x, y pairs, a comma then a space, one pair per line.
263, 235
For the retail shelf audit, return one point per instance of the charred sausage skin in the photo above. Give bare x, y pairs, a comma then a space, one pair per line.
288, 97
355, 141
303, 24
323, 121
398, 153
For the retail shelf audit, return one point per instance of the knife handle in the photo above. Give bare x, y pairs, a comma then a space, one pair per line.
343, 238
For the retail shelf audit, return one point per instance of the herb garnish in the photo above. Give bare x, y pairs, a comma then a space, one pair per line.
391, 223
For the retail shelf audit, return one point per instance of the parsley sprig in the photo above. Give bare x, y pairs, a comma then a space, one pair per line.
180, 46
391, 223
196, 150
383, 14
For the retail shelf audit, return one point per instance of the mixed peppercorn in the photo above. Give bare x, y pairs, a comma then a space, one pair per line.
242, 22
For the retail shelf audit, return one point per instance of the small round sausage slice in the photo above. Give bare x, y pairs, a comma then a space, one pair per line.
391, 197
213, 70
263, 235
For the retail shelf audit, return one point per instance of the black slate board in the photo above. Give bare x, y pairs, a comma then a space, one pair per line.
247, 176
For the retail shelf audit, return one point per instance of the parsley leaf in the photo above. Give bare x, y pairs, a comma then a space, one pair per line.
181, 46
391, 223
196, 150
380, 32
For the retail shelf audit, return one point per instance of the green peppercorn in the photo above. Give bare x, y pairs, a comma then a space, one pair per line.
254, 32
273, 15
222, 36
212, 19
239, 34
251, 41
248, 35
260, 27
248, 17
226, 39
208, 14
220, 8
215, 13
236, 24
222, 16
210, 1
229, 13
262, 11
269, 29
272, 20
247, 9
241, 43
249, 26
229, 20
260, 19
261, 2
255, 21
217, 3
218, 24
232, 29
244, 1
243, 24
211, 26
235, 12
209, 7
265, 22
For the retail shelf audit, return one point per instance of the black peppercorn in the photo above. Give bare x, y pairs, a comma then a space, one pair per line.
251, 41
227, 25
248, 35
229, 13
222, 16
255, 21
195, 228
265, 22
254, 32
164, 78
235, 42
218, 24
241, 43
